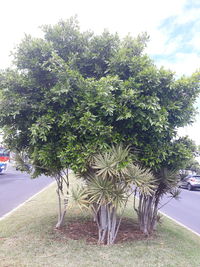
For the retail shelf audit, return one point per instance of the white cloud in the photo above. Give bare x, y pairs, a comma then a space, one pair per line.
195, 42
163, 47
192, 131
183, 63
22, 16
192, 14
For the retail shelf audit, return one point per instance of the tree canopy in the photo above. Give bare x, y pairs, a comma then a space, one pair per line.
73, 93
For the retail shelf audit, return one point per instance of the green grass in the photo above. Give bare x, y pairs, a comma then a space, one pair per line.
28, 238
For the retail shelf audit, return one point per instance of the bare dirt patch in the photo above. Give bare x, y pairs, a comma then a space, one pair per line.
87, 230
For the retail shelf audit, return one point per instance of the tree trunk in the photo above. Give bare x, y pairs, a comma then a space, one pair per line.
106, 220
61, 211
147, 213
103, 224
62, 197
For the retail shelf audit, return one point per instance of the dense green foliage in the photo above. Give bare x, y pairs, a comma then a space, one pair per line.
73, 93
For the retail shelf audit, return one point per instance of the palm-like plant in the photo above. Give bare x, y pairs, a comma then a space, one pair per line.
165, 182
109, 180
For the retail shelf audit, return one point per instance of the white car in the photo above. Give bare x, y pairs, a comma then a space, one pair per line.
190, 182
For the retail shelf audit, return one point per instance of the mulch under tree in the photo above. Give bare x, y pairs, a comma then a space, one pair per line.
88, 231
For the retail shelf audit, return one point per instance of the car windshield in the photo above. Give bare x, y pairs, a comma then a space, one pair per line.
197, 177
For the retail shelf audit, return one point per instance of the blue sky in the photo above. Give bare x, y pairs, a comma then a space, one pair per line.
181, 43
181, 49
173, 26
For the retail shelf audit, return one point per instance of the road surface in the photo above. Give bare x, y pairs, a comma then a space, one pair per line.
16, 187
186, 210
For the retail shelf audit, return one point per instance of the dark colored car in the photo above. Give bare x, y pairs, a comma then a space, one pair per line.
190, 182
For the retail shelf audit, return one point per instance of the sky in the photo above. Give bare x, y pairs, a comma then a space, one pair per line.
173, 27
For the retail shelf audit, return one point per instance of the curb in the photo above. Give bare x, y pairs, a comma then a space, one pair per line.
23, 203
179, 223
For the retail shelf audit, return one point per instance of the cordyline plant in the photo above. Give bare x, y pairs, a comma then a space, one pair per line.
108, 183
178, 154
149, 204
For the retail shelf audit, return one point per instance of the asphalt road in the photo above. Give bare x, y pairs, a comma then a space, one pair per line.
186, 210
16, 187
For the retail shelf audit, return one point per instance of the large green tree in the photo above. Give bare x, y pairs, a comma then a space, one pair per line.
73, 93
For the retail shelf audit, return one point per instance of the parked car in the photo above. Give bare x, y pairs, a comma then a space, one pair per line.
3, 166
4, 158
190, 182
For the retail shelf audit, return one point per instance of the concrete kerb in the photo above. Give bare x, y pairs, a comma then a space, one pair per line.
179, 223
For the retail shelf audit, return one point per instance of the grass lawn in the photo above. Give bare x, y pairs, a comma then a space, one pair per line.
28, 238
